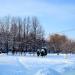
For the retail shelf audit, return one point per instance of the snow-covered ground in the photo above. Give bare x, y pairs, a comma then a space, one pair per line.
52, 64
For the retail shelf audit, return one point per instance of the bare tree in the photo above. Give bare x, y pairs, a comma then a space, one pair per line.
14, 30
7, 23
2, 34
24, 25
19, 20
27, 33
38, 34
34, 29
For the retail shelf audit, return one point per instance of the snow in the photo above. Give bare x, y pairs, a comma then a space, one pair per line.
52, 64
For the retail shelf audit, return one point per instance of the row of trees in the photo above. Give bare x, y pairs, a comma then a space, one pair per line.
21, 33
26, 34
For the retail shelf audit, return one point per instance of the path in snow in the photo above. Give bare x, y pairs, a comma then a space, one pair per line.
29, 65
9, 65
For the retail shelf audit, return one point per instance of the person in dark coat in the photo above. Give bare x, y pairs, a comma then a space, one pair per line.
38, 52
43, 52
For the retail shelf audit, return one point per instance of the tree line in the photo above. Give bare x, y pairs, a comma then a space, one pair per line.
27, 35
21, 34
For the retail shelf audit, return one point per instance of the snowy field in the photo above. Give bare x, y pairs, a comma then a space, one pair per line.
52, 64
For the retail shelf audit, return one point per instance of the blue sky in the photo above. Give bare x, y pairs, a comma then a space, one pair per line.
54, 15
